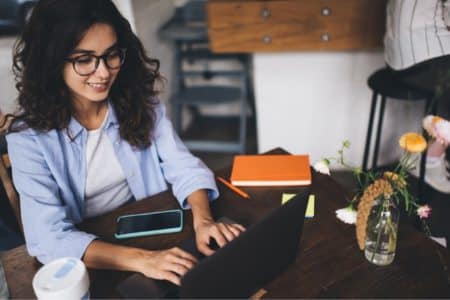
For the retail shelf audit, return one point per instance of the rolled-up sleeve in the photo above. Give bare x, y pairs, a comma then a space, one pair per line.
185, 172
49, 230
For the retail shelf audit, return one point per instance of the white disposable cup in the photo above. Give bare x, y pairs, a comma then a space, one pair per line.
64, 278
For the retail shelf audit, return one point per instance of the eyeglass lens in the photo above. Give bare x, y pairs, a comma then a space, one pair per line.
87, 64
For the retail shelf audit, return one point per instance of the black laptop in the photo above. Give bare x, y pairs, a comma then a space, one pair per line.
240, 268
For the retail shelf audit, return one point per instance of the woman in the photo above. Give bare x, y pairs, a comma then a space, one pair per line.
91, 136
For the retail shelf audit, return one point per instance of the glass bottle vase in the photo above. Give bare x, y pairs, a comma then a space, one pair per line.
381, 232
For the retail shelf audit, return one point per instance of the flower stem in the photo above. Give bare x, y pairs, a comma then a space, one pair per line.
377, 244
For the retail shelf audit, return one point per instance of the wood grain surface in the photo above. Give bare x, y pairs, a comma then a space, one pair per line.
329, 263
295, 25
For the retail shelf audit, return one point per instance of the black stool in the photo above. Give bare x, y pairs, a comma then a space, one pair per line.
384, 82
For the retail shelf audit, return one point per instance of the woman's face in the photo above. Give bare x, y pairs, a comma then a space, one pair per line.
100, 40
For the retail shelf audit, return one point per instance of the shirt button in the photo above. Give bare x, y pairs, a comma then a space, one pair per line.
130, 174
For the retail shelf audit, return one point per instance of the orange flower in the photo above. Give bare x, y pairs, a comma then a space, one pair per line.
412, 142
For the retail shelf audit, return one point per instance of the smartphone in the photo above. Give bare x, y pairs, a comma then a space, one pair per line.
152, 223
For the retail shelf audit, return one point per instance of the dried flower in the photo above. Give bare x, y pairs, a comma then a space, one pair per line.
395, 179
380, 187
424, 211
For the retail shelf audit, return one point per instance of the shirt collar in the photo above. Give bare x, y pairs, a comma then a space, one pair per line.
112, 117
75, 128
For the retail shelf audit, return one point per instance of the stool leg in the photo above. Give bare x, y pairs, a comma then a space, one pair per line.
430, 107
379, 127
369, 130
420, 193
434, 107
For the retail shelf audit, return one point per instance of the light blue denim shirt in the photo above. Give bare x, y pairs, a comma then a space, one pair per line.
49, 172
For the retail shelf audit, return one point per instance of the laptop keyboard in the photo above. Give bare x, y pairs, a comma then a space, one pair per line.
139, 286
190, 246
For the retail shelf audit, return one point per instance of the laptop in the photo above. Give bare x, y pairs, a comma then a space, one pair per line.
241, 267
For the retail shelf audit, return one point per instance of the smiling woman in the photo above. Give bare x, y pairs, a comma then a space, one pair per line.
95, 63
91, 135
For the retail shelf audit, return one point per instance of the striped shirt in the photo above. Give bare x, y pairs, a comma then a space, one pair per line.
415, 32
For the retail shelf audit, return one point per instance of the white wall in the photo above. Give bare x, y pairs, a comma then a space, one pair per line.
126, 9
311, 102
7, 90
149, 17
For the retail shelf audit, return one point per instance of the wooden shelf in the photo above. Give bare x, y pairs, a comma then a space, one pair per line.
295, 25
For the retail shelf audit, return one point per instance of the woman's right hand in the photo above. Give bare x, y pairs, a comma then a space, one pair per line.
168, 264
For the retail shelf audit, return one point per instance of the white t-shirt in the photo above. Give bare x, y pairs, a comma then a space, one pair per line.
415, 32
106, 184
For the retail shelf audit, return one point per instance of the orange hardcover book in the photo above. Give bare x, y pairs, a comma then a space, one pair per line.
271, 170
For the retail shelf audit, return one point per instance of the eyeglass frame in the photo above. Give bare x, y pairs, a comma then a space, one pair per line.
97, 61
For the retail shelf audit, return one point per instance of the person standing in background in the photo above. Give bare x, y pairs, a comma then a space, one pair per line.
417, 49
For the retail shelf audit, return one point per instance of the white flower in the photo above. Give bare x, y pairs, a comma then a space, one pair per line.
322, 166
424, 211
438, 128
428, 124
443, 132
346, 215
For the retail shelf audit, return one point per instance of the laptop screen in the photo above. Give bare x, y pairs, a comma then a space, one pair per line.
251, 260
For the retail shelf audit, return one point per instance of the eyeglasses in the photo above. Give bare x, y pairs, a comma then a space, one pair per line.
87, 64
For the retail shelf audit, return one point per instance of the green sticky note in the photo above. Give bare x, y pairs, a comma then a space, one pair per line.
309, 209
286, 197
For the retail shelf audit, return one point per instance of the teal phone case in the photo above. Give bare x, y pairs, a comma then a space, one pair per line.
150, 232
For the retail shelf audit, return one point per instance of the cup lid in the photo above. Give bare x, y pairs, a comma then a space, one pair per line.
63, 278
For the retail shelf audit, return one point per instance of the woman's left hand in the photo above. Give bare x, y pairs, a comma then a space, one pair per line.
222, 233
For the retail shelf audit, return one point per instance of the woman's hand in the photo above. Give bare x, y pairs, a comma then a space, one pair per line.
205, 227
222, 233
170, 264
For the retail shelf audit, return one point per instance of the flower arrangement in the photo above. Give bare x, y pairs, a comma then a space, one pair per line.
380, 188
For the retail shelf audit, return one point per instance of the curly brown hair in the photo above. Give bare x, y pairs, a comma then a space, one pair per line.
53, 31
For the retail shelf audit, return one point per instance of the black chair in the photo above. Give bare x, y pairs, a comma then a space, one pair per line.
10, 223
386, 84
198, 87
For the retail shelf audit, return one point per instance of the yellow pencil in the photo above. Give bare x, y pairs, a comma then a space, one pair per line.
233, 188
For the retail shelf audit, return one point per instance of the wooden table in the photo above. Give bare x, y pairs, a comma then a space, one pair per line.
329, 262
